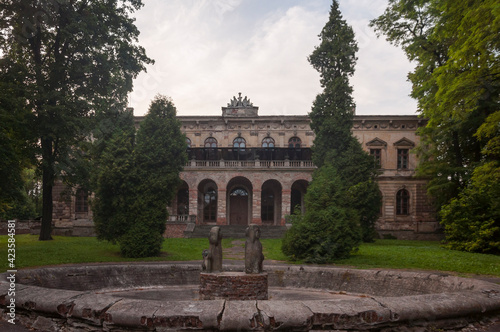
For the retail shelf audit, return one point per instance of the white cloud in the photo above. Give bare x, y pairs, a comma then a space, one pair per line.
206, 51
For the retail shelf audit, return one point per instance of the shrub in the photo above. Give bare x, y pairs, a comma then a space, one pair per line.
329, 229
139, 242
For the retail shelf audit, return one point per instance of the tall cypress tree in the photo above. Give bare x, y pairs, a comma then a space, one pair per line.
137, 178
346, 174
333, 110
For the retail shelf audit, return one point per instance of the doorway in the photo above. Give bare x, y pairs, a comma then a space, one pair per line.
238, 202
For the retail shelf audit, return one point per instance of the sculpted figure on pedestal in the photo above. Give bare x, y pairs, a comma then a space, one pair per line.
212, 258
253, 250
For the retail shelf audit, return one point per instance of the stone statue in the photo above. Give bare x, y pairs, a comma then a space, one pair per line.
253, 250
212, 258
204, 254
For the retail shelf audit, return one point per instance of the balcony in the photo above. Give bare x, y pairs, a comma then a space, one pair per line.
255, 158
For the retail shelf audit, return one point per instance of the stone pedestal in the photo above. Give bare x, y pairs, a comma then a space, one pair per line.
233, 286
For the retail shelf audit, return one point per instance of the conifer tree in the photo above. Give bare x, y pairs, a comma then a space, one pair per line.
137, 178
349, 216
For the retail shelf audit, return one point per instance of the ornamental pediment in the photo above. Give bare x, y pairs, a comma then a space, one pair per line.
377, 142
405, 142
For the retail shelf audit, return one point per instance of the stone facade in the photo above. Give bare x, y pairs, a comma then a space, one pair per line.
249, 169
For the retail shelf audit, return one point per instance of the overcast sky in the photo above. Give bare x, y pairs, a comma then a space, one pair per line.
206, 51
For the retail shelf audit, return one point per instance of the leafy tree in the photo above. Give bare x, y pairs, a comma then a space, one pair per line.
137, 179
74, 59
14, 147
456, 83
355, 204
472, 220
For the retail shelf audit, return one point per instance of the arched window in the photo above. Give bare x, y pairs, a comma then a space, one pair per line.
239, 192
267, 206
239, 143
210, 205
188, 143
211, 143
183, 201
403, 202
81, 201
268, 142
294, 142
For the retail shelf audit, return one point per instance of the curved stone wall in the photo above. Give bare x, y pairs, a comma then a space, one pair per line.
68, 297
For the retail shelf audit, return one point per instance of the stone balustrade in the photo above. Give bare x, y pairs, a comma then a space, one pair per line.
231, 164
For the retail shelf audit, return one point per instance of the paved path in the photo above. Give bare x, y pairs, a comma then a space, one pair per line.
237, 251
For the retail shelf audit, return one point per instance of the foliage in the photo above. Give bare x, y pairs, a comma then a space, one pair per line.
114, 183
333, 226
14, 138
137, 179
73, 60
456, 82
140, 241
472, 220
330, 228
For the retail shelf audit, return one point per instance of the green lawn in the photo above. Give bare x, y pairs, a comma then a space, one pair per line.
394, 254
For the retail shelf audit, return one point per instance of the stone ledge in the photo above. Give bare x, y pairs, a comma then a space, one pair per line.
453, 301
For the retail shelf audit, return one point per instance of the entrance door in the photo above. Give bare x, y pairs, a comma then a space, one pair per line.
238, 201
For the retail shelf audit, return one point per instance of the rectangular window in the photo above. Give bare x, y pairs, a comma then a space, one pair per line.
376, 153
81, 201
403, 158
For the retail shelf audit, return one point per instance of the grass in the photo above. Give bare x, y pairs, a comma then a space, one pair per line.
392, 254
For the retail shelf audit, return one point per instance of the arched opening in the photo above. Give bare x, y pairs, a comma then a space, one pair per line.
403, 202
299, 189
271, 202
268, 145
207, 202
239, 210
294, 148
210, 148
182, 202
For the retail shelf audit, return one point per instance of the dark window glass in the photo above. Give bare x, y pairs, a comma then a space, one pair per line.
267, 206
210, 205
81, 201
211, 143
294, 142
239, 143
268, 142
376, 153
403, 158
403, 202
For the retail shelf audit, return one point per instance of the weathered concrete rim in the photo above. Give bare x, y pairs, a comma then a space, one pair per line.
418, 299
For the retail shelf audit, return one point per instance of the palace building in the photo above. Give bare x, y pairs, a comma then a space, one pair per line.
244, 168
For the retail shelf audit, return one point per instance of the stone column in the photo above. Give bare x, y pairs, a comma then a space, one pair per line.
257, 207
222, 207
193, 204
286, 200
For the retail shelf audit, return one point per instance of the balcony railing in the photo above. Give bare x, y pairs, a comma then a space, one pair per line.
249, 158
249, 154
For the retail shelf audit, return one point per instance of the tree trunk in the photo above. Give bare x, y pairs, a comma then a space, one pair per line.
47, 185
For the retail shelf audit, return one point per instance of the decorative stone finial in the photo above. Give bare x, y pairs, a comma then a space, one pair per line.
239, 102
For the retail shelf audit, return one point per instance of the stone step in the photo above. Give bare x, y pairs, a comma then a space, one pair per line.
236, 231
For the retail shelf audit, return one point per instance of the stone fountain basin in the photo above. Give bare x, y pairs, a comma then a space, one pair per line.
87, 297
